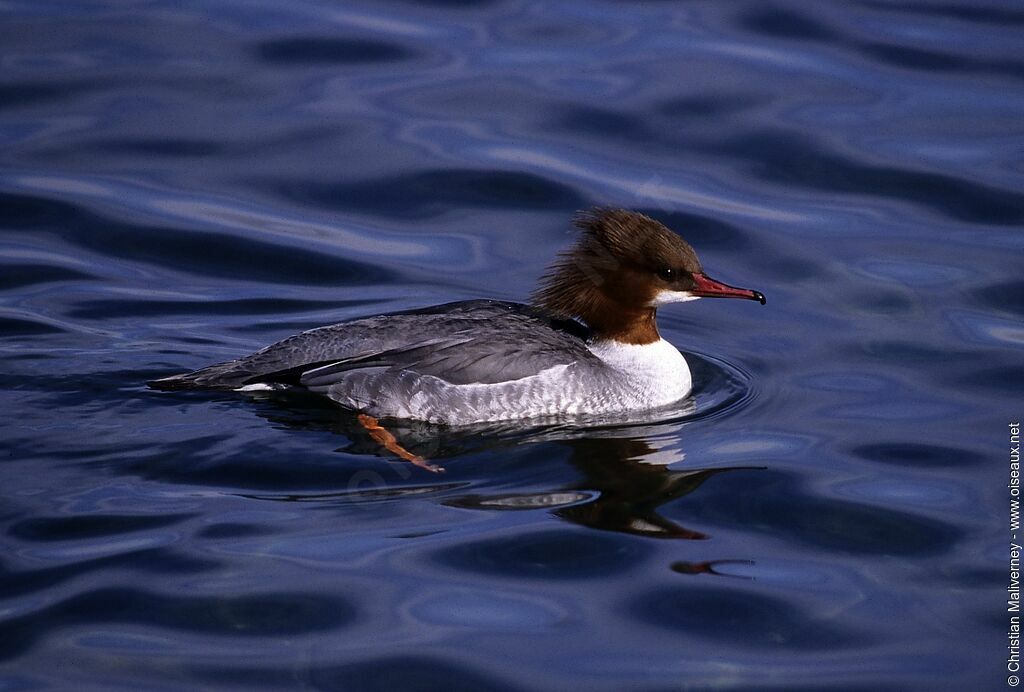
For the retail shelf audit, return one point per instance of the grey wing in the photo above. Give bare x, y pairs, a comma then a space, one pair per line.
461, 343
459, 360
280, 361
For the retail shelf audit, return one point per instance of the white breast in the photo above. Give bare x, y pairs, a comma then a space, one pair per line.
650, 374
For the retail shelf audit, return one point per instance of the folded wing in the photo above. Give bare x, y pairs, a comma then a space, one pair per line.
484, 342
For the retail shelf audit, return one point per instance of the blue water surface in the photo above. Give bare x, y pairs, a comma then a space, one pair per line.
185, 182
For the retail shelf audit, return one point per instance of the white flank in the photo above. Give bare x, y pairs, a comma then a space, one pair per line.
258, 387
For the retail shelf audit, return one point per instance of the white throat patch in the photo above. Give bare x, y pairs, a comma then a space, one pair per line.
664, 297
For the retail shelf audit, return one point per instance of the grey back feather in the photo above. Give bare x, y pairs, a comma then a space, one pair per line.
476, 341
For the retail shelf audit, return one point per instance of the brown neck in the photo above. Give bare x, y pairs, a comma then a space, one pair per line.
637, 326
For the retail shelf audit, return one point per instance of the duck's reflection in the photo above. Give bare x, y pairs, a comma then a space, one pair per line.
623, 480
631, 490
620, 489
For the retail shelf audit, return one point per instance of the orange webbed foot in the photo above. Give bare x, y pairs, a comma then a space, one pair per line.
390, 443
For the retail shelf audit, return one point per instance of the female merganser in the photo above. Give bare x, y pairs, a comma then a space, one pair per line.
588, 344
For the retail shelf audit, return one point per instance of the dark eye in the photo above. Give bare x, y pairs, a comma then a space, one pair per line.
667, 273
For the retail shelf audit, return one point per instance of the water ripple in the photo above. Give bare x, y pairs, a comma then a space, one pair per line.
302, 51
185, 184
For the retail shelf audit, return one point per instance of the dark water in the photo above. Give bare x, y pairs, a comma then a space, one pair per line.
185, 182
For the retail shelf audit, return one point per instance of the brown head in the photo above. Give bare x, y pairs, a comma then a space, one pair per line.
623, 267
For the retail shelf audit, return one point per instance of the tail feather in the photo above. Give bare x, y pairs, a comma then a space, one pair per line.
220, 377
